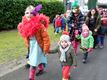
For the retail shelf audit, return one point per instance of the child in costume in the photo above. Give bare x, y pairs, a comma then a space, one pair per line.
87, 41
33, 29
66, 55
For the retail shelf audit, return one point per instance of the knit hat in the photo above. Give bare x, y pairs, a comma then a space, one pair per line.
85, 27
65, 32
65, 38
74, 4
85, 31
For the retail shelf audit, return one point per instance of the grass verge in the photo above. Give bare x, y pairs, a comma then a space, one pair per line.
12, 45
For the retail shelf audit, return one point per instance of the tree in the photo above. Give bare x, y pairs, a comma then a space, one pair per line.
92, 4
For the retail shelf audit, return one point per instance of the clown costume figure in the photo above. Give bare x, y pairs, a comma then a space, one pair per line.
66, 56
33, 29
87, 41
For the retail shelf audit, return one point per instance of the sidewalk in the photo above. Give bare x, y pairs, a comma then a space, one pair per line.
14, 65
11, 66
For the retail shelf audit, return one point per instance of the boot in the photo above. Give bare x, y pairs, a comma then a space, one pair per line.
64, 79
85, 57
32, 73
27, 66
40, 70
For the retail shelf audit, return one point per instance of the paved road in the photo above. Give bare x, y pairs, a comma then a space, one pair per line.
95, 69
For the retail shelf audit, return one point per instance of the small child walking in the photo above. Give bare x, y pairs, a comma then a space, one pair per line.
87, 41
57, 24
66, 55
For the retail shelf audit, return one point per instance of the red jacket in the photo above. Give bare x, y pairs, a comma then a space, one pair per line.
104, 21
58, 22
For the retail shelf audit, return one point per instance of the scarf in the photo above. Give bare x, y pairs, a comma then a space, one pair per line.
63, 51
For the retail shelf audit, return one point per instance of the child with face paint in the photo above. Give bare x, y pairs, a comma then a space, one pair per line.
66, 56
87, 41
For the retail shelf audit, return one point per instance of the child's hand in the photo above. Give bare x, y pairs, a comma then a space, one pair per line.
75, 66
46, 54
26, 45
76, 32
95, 30
72, 25
58, 43
90, 50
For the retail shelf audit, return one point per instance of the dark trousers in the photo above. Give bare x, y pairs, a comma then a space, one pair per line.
85, 56
101, 39
69, 27
95, 40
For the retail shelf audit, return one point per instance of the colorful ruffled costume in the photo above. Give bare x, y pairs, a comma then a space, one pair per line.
34, 33
28, 28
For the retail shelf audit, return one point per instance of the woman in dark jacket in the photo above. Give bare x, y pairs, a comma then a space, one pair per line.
93, 20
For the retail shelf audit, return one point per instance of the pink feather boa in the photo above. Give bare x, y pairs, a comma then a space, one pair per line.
27, 28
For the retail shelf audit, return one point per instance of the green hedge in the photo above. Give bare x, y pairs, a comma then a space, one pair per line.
12, 10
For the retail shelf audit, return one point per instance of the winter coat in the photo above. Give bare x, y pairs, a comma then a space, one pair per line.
63, 22
104, 21
93, 24
103, 28
58, 22
42, 39
77, 21
87, 42
70, 56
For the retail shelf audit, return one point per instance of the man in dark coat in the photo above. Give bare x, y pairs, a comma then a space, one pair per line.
75, 21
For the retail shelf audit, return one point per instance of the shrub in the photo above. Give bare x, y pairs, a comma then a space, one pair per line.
12, 10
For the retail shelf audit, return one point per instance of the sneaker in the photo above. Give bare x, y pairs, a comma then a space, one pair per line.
31, 79
27, 66
84, 61
69, 78
101, 46
55, 33
40, 72
96, 46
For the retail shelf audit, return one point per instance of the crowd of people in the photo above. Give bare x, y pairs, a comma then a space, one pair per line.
59, 23
87, 30
96, 20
